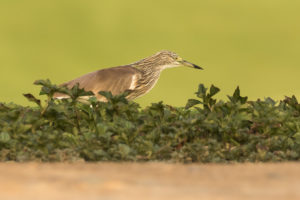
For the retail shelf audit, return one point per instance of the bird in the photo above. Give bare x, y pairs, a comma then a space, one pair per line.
138, 78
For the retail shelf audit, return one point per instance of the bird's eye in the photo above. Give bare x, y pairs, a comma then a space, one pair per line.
179, 59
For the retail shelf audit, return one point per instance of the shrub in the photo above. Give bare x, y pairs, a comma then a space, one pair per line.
205, 130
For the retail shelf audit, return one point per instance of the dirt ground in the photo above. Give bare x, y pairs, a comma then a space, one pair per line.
135, 181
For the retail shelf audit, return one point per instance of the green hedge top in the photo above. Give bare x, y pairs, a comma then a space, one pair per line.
205, 130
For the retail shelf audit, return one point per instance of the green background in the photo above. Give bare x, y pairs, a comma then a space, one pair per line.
254, 44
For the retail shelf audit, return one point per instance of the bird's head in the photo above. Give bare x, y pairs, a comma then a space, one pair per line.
166, 59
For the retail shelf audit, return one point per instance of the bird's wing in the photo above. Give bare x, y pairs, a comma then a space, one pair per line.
116, 80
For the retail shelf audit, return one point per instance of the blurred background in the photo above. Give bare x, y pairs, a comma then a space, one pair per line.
253, 44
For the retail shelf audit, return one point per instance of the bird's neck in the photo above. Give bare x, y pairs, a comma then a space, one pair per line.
150, 74
149, 78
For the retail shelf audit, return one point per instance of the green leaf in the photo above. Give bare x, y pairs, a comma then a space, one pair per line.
297, 137
292, 101
76, 92
124, 149
4, 137
107, 95
42, 82
213, 90
31, 98
236, 97
192, 102
201, 93
48, 88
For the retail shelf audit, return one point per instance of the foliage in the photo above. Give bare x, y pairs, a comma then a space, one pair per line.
206, 130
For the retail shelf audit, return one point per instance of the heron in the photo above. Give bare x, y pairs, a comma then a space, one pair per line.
138, 78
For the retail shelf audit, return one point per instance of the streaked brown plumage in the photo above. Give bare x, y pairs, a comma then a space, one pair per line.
139, 77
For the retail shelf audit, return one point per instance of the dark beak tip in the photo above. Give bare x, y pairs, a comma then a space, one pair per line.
197, 67
186, 63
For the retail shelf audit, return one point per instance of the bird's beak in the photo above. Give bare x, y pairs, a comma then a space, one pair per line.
188, 64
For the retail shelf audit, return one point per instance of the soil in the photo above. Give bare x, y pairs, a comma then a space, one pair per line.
135, 181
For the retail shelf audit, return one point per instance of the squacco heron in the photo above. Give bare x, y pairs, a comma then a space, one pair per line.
139, 77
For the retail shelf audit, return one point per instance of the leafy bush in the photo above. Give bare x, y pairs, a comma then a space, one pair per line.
206, 130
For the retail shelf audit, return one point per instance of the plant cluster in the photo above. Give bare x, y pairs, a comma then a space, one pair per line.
205, 130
